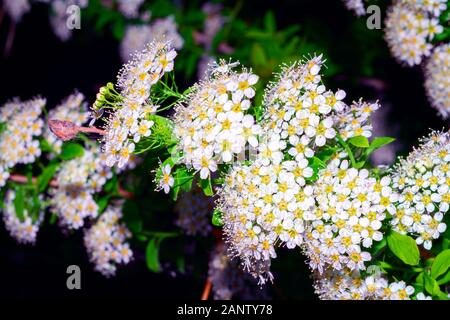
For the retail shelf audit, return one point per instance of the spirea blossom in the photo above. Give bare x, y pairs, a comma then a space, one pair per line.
410, 27
194, 211
21, 125
129, 122
24, 231
437, 79
423, 182
106, 242
346, 219
136, 36
78, 179
212, 124
73, 109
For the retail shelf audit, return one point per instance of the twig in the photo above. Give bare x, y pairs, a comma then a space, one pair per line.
206, 290
10, 39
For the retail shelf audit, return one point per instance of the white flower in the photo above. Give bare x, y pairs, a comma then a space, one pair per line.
167, 180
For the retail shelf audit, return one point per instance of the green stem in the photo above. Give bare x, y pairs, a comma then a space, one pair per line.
347, 149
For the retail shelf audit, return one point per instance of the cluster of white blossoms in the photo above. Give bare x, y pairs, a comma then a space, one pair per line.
357, 6
136, 36
350, 285
73, 109
78, 179
410, 27
23, 231
266, 203
437, 79
106, 242
130, 8
194, 211
20, 124
228, 280
129, 122
212, 124
346, 219
423, 183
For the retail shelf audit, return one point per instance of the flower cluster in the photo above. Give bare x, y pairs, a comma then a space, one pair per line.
350, 285
437, 79
106, 242
410, 27
266, 203
73, 109
136, 36
213, 124
20, 125
23, 230
78, 179
130, 117
423, 182
194, 211
350, 207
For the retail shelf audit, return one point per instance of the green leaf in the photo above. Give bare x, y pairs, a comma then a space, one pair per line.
404, 247
206, 186
19, 203
445, 279
152, 255
430, 285
71, 151
258, 55
53, 219
132, 217
441, 264
44, 178
217, 218
102, 203
380, 142
359, 141
269, 22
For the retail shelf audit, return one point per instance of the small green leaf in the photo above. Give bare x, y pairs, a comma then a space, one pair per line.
269, 22
71, 151
206, 186
404, 247
47, 174
53, 219
444, 279
380, 142
431, 285
359, 141
258, 55
441, 264
152, 255
102, 203
19, 203
217, 218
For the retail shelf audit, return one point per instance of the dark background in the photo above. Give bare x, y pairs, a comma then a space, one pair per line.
39, 64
